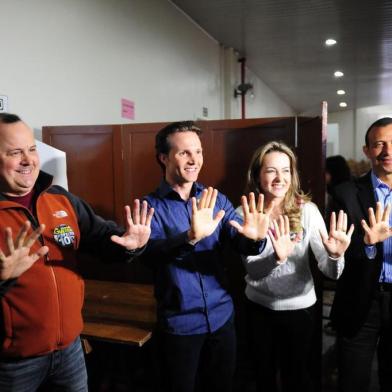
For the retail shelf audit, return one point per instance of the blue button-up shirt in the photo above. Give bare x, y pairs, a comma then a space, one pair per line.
383, 194
190, 279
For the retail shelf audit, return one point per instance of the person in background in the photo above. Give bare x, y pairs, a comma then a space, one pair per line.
362, 307
191, 224
43, 227
280, 286
336, 172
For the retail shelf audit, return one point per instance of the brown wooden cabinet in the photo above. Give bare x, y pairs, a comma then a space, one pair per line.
110, 165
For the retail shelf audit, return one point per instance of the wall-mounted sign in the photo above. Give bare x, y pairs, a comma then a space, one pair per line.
127, 109
3, 103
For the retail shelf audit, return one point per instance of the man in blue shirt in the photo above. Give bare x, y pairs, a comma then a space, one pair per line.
362, 309
190, 225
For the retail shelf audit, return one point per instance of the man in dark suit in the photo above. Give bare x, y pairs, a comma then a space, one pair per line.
362, 309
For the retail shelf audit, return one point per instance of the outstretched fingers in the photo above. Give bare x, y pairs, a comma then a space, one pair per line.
194, 205
128, 216
332, 222
281, 226
341, 224
245, 206
143, 214
378, 211
324, 236
212, 200
260, 203
277, 223
140, 214
372, 218
350, 231
345, 222
219, 216
340, 219
150, 214
34, 236
136, 212
203, 199
252, 203
237, 226
272, 237
287, 224
276, 228
9, 240
387, 211
41, 252
365, 226
20, 238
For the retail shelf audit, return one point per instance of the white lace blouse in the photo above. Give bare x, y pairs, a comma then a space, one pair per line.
290, 285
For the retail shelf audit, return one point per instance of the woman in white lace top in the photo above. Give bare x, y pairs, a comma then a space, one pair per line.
280, 286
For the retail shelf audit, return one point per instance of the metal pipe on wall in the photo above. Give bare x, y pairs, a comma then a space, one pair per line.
242, 61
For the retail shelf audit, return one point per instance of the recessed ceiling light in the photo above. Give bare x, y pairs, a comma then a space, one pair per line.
330, 42
340, 92
338, 74
343, 104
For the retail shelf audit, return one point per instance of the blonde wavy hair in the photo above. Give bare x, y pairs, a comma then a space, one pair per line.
294, 197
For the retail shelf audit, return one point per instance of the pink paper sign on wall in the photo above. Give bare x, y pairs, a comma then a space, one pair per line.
127, 109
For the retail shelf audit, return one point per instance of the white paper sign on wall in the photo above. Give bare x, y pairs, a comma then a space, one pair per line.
3, 103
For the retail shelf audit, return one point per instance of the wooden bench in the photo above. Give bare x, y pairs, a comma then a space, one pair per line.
118, 312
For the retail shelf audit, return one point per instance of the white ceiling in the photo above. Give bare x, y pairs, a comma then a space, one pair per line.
283, 43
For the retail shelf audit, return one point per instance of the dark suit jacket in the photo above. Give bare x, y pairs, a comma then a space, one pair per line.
356, 286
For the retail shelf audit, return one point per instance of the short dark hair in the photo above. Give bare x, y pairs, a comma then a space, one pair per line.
338, 169
382, 122
162, 145
8, 118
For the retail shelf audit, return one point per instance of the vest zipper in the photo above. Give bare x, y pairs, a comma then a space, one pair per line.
35, 224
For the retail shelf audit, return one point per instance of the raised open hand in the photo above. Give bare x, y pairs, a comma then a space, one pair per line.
16, 258
339, 238
280, 238
256, 219
378, 228
137, 226
203, 222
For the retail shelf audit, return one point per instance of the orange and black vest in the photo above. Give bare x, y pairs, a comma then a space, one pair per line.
41, 309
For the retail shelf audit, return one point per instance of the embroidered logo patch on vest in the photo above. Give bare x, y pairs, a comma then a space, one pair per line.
64, 235
60, 214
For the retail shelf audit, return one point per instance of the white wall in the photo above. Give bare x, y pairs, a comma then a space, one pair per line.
353, 125
333, 147
264, 103
260, 102
71, 62
344, 120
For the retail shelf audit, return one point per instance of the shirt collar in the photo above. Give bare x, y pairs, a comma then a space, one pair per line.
377, 183
164, 189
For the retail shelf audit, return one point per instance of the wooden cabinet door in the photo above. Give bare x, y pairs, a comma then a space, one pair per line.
142, 174
229, 147
93, 155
